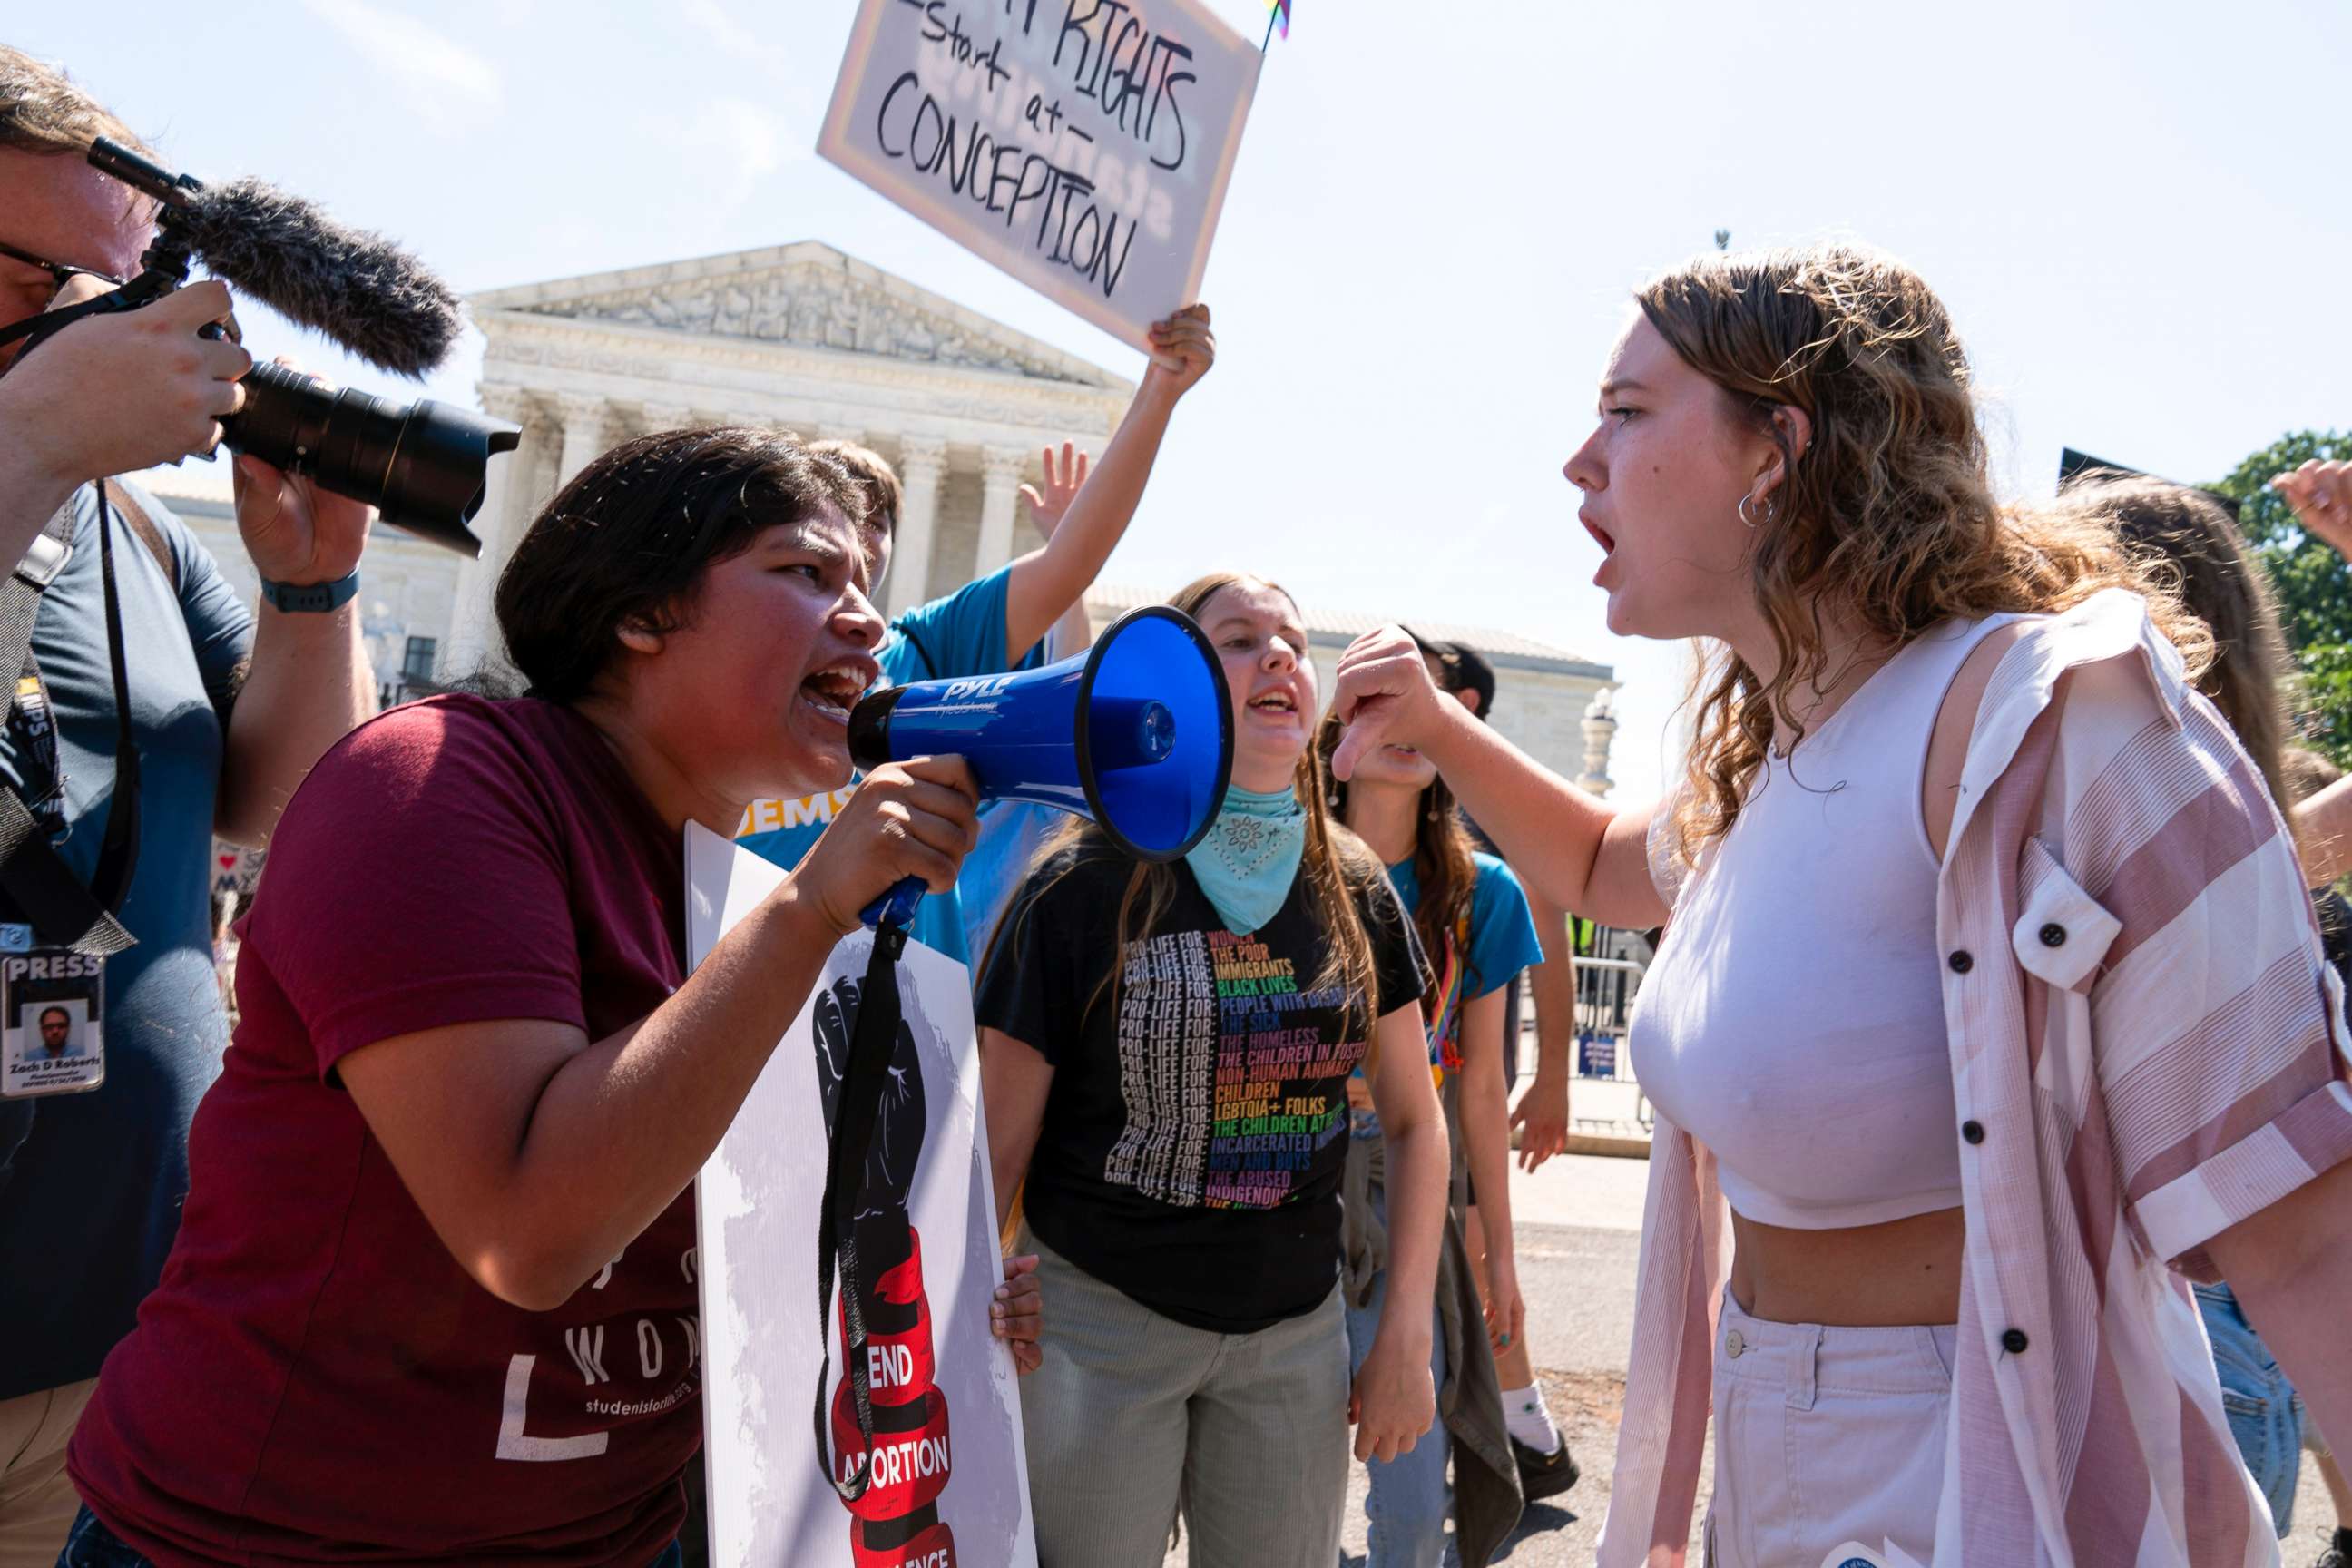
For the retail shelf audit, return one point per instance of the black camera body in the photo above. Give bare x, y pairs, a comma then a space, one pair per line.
422, 466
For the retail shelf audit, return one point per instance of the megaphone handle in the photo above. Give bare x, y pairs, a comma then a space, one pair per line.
897, 907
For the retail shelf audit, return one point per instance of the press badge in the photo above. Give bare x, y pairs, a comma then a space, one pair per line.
52, 1034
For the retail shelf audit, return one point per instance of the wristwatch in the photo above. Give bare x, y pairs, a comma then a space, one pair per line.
310, 598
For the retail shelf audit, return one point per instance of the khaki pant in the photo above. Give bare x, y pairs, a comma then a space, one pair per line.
36, 1502
1134, 1414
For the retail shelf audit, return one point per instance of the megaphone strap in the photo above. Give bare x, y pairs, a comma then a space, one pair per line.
847, 1144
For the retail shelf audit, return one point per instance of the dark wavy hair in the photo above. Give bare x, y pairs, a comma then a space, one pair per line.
627, 543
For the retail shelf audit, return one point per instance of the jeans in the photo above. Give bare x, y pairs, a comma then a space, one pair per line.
1411, 1499
92, 1545
2265, 1418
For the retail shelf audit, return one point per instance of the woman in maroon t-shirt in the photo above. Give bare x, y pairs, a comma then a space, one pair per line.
433, 1299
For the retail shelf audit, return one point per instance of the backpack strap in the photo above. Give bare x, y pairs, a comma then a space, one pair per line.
32, 876
149, 535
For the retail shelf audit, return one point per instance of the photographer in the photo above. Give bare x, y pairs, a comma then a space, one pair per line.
226, 709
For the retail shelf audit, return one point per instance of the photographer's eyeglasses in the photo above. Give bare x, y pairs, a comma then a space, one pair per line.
60, 272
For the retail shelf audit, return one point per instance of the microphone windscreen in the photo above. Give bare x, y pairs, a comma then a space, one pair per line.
359, 288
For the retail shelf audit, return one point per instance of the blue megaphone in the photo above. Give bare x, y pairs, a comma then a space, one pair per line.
1137, 734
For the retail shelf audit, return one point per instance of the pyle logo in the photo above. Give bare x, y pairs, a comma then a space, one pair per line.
965, 690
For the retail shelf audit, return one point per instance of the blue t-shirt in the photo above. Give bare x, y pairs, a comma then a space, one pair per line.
961, 635
1503, 939
1013, 834
91, 1184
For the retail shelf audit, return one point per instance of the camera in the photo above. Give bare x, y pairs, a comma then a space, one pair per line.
424, 467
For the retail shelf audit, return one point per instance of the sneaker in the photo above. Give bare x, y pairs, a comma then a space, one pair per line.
1548, 1475
2339, 1552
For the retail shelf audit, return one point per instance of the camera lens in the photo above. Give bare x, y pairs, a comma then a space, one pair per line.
424, 467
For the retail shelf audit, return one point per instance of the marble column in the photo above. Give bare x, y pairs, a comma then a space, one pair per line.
922, 464
500, 524
1600, 729
656, 417
583, 434
1000, 498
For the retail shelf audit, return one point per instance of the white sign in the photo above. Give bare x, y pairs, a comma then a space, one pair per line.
951, 1484
1084, 147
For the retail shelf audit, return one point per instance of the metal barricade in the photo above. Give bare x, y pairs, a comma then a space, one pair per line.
1605, 990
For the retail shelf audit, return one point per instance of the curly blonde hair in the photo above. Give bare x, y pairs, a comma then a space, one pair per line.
1885, 522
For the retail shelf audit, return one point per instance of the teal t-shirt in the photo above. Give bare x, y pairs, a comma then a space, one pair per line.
92, 1185
1503, 939
948, 638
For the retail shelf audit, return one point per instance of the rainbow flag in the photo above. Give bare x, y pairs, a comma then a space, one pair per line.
1281, 16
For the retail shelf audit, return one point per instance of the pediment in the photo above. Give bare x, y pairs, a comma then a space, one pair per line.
807, 295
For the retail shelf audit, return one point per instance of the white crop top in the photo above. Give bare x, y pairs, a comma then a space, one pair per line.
1793, 1021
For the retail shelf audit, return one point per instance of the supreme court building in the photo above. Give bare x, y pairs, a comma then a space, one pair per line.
806, 338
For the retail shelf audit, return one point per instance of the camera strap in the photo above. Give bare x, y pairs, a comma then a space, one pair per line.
38, 330
32, 876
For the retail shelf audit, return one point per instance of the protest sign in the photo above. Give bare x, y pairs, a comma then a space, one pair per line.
950, 1484
1084, 147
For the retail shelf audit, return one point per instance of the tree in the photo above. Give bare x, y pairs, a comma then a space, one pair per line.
2311, 580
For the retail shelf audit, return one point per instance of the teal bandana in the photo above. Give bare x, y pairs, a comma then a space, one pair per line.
1251, 856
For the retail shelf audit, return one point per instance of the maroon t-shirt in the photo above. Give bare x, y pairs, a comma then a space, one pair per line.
316, 1380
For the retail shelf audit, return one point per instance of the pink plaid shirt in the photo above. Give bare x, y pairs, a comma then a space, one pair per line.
2145, 1051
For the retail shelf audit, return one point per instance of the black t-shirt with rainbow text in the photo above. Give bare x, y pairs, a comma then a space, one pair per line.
1196, 1129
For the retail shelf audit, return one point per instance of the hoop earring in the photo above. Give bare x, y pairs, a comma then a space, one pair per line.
1746, 501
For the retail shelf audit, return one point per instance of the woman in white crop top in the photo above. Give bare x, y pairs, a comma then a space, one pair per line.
1989, 997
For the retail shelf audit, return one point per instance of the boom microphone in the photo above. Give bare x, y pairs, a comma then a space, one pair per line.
357, 287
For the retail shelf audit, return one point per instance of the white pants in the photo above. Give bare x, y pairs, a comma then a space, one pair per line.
1829, 1444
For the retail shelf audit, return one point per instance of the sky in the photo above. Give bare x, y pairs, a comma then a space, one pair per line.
2136, 212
